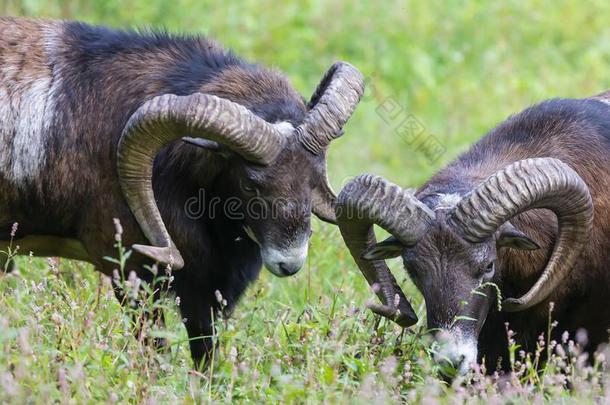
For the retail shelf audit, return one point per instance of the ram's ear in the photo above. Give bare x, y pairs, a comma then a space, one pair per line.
202, 143
509, 236
206, 144
387, 249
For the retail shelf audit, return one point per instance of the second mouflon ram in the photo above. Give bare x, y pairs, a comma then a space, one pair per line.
527, 208
211, 164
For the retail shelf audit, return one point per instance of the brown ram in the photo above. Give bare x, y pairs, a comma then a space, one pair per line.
91, 127
526, 208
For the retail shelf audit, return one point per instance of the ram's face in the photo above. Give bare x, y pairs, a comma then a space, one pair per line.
454, 277
276, 205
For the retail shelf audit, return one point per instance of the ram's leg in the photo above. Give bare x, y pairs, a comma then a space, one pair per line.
197, 309
46, 246
200, 332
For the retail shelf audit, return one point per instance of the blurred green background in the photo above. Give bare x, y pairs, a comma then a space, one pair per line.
458, 67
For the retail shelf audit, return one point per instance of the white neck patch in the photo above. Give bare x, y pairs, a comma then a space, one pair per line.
446, 201
602, 100
284, 127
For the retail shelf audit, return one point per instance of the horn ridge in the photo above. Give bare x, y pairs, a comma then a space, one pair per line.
166, 118
524, 185
331, 105
368, 200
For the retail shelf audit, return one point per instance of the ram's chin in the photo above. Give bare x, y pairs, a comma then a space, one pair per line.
284, 262
457, 352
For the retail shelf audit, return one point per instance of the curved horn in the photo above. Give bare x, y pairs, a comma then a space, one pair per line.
331, 105
369, 200
164, 119
524, 185
324, 198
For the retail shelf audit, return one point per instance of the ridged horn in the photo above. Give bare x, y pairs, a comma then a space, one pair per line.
524, 185
369, 200
166, 118
324, 199
331, 105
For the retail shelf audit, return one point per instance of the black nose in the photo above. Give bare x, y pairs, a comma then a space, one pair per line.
287, 269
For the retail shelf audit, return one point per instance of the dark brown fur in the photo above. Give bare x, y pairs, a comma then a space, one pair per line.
578, 133
98, 78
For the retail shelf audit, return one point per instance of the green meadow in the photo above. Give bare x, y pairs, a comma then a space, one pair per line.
456, 69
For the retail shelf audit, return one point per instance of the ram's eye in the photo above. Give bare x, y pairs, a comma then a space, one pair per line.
250, 189
490, 269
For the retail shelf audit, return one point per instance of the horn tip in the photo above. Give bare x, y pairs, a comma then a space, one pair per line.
403, 319
166, 255
514, 305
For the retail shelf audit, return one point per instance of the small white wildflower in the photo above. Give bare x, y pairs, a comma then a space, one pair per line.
233, 354
23, 340
582, 337
8, 383
560, 351
276, 370
14, 229
218, 296
89, 319
600, 358
118, 228
63, 381
56, 318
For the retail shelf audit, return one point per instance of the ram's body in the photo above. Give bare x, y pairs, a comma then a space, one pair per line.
577, 132
527, 208
67, 91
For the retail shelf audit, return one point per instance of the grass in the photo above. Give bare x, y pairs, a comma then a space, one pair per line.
457, 67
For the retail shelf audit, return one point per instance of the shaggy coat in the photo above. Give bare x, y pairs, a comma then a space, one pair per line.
578, 133
66, 92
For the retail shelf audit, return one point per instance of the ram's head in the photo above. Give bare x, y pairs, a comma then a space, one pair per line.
277, 170
448, 245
